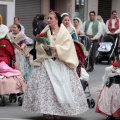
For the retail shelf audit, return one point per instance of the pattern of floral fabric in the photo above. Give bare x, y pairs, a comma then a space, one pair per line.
109, 101
41, 98
27, 69
22, 65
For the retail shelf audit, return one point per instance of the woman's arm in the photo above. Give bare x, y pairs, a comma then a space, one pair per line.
22, 44
107, 30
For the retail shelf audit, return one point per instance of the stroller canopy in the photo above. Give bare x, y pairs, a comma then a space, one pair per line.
7, 53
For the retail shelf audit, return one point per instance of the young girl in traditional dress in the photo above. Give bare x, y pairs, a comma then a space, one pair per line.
21, 61
78, 26
67, 23
109, 98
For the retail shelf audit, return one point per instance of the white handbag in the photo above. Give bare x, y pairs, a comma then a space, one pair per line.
84, 75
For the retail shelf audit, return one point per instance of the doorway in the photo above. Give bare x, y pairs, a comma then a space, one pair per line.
52, 4
104, 9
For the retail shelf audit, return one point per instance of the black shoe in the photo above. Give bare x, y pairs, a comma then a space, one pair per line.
90, 69
110, 118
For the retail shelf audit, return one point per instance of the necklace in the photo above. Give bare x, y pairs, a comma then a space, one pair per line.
54, 32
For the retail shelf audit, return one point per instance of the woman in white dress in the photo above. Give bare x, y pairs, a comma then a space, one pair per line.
54, 87
78, 26
67, 23
100, 19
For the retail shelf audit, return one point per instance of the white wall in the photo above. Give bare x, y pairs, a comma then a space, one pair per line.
10, 11
116, 6
92, 6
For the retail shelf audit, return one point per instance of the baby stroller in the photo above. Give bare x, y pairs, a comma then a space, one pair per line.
11, 81
82, 64
88, 46
81, 57
84, 40
106, 50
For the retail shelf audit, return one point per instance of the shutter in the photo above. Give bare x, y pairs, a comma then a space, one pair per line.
26, 10
52, 4
104, 9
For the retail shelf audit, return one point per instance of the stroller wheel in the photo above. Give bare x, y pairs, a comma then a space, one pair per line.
92, 103
10, 98
20, 101
88, 101
15, 98
3, 101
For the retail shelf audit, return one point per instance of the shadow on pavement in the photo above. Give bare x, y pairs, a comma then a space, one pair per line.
61, 118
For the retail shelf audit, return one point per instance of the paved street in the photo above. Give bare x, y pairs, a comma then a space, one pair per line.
12, 110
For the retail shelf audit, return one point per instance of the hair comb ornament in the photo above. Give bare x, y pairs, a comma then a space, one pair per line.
54, 11
66, 14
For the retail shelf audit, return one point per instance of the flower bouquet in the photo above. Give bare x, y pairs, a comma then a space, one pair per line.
42, 39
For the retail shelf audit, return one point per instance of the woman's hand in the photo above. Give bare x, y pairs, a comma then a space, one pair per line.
46, 47
113, 70
78, 33
53, 49
91, 38
23, 46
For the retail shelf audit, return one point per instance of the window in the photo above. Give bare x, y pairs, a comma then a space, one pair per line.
80, 9
3, 12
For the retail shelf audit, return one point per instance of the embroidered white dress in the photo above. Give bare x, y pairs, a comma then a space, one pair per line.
109, 98
47, 88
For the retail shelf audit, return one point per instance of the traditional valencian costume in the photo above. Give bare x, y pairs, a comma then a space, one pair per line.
54, 87
109, 98
113, 28
71, 28
21, 61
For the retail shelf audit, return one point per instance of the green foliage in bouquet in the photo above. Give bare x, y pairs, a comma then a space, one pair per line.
42, 39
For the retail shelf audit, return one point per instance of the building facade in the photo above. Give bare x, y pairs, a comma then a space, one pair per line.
7, 10
27, 9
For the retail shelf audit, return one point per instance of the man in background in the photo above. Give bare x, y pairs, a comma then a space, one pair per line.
93, 29
38, 25
113, 28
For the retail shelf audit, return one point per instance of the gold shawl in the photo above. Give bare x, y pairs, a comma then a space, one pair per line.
64, 46
17, 38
